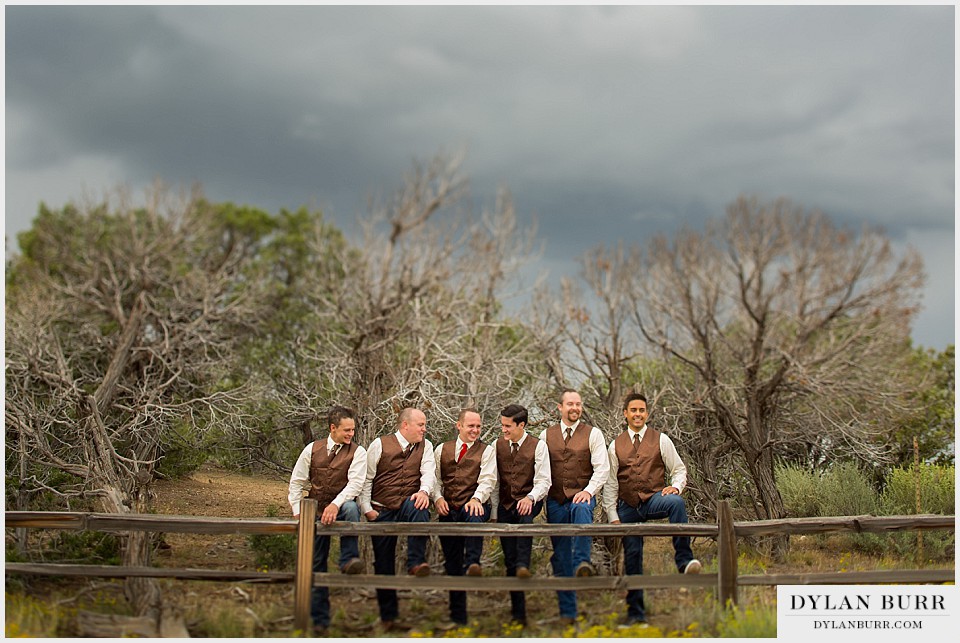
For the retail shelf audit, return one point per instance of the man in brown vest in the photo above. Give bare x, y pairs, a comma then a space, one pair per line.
641, 460
578, 468
466, 474
332, 472
401, 472
523, 480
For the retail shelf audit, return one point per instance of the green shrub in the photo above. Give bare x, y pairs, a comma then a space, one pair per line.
64, 483
846, 491
748, 623
222, 622
83, 547
276, 552
755, 616
800, 491
185, 449
179, 460
899, 497
29, 617
937, 489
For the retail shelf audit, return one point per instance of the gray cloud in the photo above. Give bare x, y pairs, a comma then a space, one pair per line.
604, 122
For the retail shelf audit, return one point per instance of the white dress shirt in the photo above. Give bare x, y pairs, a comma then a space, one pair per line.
300, 478
676, 471
488, 471
428, 472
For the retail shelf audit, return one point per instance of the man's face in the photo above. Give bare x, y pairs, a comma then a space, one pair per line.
469, 427
342, 433
636, 414
415, 428
511, 430
570, 408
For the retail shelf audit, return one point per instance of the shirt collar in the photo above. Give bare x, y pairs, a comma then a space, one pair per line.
564, 427
641, 432
403, 441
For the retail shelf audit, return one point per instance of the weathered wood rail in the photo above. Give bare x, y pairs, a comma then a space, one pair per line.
726, 532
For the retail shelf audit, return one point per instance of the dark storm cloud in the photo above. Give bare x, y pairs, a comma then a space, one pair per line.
122, 83
606, 123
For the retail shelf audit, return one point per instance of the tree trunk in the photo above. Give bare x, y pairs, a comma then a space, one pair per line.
23, 499
306, 433
705, 483
761, 470
143, 594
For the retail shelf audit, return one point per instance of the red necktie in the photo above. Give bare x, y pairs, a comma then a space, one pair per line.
463, 449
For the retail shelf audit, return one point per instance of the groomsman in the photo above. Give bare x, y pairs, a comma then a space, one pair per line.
578, 467
642, 460
466, 475
523, 479
401, 472
332, 472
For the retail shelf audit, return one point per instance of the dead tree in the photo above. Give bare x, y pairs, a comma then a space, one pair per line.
119, 326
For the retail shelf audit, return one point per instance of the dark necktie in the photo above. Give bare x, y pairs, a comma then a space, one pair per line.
408, 450
636, 442
566, 434
463, 449
514, 447
334, 451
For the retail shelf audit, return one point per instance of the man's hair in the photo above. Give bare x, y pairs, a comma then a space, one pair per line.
565, 391
632, 397
405, 415
469, 409
338, 413
515, 412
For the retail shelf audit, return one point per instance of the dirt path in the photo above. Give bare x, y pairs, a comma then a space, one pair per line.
213, 491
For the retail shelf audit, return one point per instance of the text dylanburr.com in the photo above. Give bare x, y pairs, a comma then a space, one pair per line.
874, 611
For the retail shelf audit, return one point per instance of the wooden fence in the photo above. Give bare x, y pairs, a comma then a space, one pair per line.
726, 532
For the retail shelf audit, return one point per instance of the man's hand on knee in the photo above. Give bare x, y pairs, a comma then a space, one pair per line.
329, 514
582, 496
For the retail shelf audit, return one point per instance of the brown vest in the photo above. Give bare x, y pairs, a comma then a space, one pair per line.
461, 479
397, 477
570, 465
515, 472
643, 473
329, 477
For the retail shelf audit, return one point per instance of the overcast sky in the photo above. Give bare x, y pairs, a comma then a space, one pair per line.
605, 123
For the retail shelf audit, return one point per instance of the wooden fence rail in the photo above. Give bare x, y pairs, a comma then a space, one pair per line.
726, 532
213, 525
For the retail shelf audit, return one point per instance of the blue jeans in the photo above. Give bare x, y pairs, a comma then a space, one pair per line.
517, 551
658, 506
320, 596
569, 551
385, 553
459, 552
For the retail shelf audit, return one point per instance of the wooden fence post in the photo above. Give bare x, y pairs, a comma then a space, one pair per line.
726, 555
916, 482
303, 576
